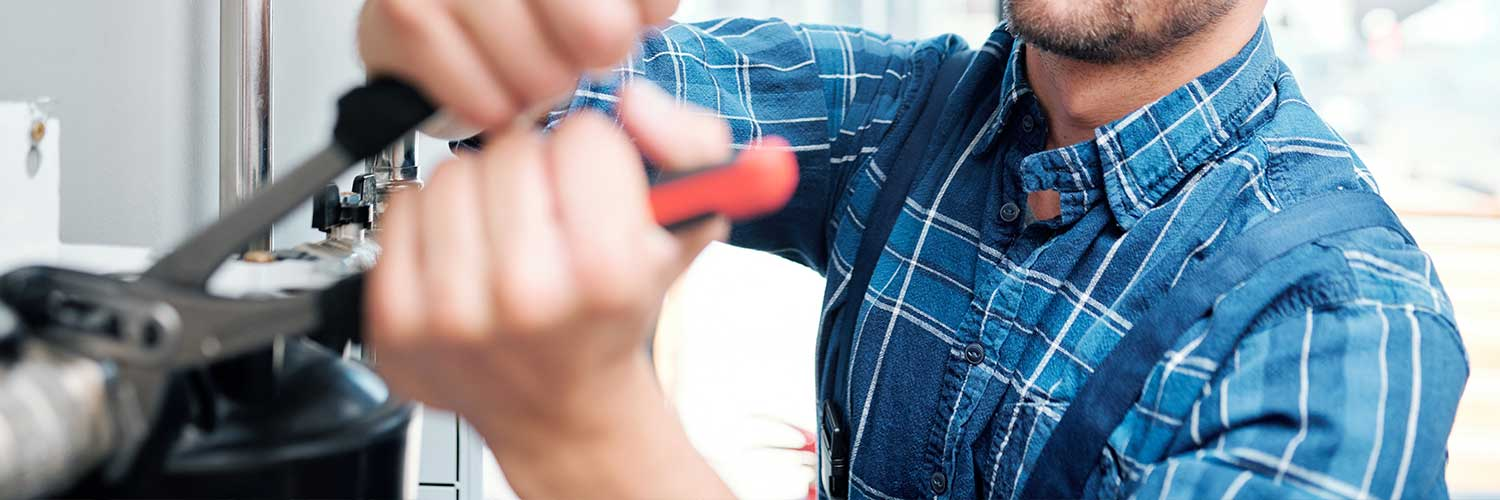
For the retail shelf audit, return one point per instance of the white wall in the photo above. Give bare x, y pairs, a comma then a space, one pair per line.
313, 61
133, 85
136, 85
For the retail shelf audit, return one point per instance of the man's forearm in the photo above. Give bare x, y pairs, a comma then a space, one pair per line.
640, 451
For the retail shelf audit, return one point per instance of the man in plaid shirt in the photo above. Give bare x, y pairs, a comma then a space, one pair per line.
1093, 154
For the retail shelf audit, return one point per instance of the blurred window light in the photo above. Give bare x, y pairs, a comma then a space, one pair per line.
1409, 84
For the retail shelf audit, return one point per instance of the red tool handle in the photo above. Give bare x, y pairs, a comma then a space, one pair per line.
758, 182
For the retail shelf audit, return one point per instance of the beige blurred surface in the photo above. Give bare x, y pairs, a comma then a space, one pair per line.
1464, 251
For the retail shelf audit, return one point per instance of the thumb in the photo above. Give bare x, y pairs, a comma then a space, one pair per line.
674, 136
690, 240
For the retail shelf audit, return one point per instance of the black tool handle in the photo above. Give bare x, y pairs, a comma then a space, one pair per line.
370, 118
343, 310
375, 115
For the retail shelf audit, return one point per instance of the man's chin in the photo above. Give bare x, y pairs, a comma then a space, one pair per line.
1096, 52
1092, 33
1108, 31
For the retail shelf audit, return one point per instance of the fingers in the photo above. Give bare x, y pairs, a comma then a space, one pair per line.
517, 51
531, 230
529, 279
488, 60
394, 295
592, 34
420, 42
674, 136
657, 12
687, 243
455, 246
602, 206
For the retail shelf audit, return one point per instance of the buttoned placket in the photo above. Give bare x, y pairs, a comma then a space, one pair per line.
996, 299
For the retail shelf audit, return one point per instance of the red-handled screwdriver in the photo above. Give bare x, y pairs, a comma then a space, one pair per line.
757, 182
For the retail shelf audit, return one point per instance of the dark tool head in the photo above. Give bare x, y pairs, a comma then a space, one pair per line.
375, 115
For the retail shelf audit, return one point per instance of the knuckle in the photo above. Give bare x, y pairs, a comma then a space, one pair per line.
522, 310
546, 83
450, 174
404, 15
720, 134
658, 11
507, 151
453, 324
523, 318
598, 132
612, 287
603, 37
611, 301
494, 113
588, 122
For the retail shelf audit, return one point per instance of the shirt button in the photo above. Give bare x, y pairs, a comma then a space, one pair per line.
1010, 212
974, 354
939, 483
1028, 123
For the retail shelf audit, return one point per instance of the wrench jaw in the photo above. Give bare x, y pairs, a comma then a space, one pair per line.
136, 398
147, 333
144, 333
139, 338
100, 317
130, 338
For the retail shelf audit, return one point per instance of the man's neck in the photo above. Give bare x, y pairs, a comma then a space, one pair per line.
1079, 96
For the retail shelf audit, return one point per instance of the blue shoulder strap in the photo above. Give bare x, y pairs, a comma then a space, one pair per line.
838, 329
1076, 445
900, 176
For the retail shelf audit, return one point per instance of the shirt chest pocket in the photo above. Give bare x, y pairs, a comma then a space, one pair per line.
1011, 438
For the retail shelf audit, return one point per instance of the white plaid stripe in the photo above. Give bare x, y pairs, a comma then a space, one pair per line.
1049, 302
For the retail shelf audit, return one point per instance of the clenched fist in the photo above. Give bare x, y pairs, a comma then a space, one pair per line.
519, 290
488, 60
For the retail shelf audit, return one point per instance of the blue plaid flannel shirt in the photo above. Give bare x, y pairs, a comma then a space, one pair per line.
1346, 386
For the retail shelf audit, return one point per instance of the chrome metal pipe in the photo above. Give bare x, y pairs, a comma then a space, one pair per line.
244, 104
401, 154
391, 169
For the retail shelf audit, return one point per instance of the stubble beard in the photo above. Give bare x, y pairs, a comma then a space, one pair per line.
1112, 31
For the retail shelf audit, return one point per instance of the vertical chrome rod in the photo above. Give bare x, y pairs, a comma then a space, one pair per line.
244, 104
391, 171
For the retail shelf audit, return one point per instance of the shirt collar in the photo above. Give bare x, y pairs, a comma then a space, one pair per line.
1134, 161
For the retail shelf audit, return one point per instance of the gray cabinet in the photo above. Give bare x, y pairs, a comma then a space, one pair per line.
437, 493
451, 459
440, 443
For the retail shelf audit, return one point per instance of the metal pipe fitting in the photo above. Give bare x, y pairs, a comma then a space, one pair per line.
394, 170
244, 104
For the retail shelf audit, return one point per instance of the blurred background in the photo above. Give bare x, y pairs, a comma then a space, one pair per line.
1409, 82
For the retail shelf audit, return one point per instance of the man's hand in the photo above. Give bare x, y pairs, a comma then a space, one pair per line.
520, 287
488, 60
